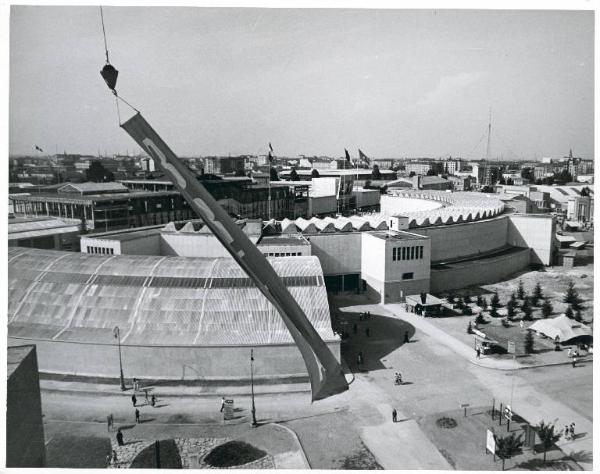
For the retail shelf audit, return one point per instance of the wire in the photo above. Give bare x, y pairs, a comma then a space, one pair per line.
104, 34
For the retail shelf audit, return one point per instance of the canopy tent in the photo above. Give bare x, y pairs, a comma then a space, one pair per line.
561, 329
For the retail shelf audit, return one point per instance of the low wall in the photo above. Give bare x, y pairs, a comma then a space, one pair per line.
479, 272
169, 362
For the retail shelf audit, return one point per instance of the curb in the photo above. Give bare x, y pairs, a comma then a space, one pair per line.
169, 395
295, 436
527, 366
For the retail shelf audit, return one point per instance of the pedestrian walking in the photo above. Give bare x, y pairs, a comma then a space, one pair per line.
359, 358
394, 416
478, 352
567, 432
120, 437
109, 422
133, 399
135, 384
367, 332
574, 361
153, 401
137, 415
572, 430
146, 394
521, 324
222, 403
114, 457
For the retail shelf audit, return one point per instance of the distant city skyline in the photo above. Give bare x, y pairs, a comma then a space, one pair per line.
313, 82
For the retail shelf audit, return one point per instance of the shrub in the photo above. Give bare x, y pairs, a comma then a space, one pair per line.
467, 311
480, 301
569, 312
494, 312
233, 453
480, 319
578, 316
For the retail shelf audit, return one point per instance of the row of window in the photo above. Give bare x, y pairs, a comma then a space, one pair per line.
282, 254
407, 253
100, 250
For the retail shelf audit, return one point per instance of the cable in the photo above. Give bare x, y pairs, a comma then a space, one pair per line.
104, 34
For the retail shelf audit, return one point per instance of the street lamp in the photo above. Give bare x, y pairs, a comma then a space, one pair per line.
254, 423
117, 334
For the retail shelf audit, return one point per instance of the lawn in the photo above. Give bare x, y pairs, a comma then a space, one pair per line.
462, 442
78, 452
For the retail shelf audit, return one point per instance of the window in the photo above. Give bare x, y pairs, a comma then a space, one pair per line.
421, 252
412, 253
89, 249
403, 253
394, 253
408, 276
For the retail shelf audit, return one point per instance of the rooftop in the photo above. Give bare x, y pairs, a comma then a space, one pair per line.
283, 240
396, 235
15, 356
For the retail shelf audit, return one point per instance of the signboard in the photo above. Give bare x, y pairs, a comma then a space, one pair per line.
490, 442
228, 410
508, 413
511, 347
465, 405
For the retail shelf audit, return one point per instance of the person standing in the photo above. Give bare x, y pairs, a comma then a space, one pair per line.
146, 394
567, 432
133, 399
574, 361
120, 438
572, 430
137, 415
109, 422
394, 416
114, 457
135, 384
222, 404
153, 401
406, 338
478, 351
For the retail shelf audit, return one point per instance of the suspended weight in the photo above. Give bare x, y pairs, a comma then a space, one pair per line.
109, 74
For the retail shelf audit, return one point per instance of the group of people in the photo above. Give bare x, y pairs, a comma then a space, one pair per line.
112, 459
365, 316
569, 432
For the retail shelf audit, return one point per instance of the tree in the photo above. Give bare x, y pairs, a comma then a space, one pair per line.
526, 308
533, 300
521, 290
315, 173
507, 446
547, 435
494, 312
529, 342
294, 175
274, 175
510, 309
547, 309
376, 174
495, 301
537, 291
585, 192
572, 296
98, 173
451, 296
411, 174
513, 299
479, 319
480, 301
569, 312
431, 172
502, 180
240, 173
467, 298
467, 311
510, 182
578, 316
527, 173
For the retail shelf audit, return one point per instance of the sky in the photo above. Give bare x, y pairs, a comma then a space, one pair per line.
394, 83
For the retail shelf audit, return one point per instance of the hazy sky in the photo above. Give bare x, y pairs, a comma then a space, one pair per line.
392, 82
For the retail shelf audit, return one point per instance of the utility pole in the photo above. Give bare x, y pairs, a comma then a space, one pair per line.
117, 334
254, 423
488, 153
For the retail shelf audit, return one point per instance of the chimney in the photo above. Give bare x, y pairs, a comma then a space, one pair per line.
423, 298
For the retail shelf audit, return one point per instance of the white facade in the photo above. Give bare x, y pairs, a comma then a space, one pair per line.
395, 264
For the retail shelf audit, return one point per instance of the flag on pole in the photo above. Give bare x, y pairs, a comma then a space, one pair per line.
270, 158
270, 147
364, 157
39, 149
347, 155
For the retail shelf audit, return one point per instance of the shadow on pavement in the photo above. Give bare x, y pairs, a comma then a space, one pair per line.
385, 336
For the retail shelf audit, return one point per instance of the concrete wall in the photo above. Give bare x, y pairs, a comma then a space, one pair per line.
367, 197
169, 362
338, 253
24, 426
536, 232
147, 245
479, 272
470, 238
282, 250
